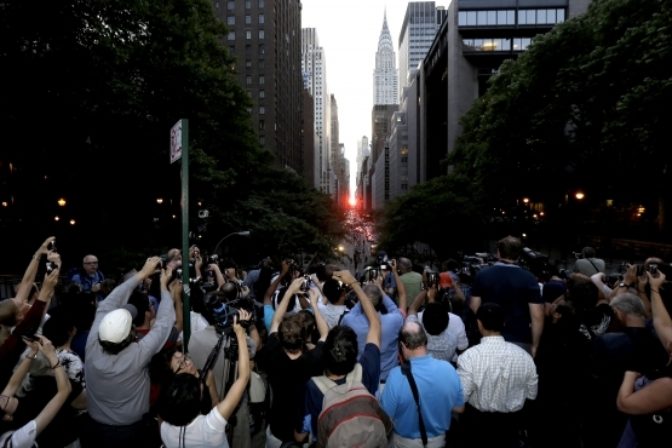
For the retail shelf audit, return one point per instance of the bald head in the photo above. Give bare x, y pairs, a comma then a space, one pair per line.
405, 265
413, 336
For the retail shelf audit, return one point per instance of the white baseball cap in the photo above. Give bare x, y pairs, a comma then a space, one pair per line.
115, 326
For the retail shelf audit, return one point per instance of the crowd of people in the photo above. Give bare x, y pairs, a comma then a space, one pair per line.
288, 356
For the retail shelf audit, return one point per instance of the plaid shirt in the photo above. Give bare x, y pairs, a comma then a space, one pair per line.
497, 376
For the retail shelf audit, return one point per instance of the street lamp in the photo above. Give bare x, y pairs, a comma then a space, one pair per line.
240, 233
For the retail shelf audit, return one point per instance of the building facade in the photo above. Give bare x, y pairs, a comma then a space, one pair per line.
421, 21
385, 76
314, 68
264, 36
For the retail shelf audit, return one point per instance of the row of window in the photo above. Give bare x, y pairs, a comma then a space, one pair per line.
508, 17
516, 43
248, 35
231, 20
231, 4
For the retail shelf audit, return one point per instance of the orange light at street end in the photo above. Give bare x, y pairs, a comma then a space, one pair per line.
352, 202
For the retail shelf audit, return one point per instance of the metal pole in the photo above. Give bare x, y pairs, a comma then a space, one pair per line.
186, 308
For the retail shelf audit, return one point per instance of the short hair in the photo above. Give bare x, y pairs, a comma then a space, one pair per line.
509, 247
435, 318
332, 290
374, 294
309, 325
180, 401
340, 350
291, 334
588, 252
491, 316
413, 335
140, 301
629, 303
405, 264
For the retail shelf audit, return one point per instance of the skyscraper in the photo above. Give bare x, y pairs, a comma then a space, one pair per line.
385, 76
264, 38
313, 65
418, 29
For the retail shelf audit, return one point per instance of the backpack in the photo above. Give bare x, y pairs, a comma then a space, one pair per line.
351, 416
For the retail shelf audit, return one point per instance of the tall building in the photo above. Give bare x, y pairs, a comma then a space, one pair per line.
334, 145
418, 30
385, 77
363, 150
313, 66
309, 137
264, 36
474, 40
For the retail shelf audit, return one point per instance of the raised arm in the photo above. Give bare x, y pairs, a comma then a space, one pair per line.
23, 290
274, 284
238, 388
373, 337
176, 294
401, 289
284, 303
322, 326
417, 302
62, 383
662, 322
655, 396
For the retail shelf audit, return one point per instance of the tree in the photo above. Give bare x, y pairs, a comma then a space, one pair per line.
90, 91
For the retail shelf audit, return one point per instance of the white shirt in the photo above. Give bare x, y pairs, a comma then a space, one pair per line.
497, 376
331, 313
445, 344
24, 437
204, 431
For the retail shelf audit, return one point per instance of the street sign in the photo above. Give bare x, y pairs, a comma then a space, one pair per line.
176, 143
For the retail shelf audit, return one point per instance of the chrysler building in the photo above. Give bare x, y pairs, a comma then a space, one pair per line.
385, 77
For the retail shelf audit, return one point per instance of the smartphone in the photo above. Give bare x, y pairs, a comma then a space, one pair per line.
31, 337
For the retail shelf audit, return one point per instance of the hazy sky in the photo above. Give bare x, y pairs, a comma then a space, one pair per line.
348, 30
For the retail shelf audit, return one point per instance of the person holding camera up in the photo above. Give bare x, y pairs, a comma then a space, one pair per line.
289, 366
116, 366
179, 405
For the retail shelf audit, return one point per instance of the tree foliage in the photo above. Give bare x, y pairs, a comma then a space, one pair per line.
585, 107
90, 91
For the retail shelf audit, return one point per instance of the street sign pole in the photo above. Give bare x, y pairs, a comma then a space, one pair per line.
179, 149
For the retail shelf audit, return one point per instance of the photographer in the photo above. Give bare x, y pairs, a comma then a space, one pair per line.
220, 309
289, 366
116, 364
391, 320
180, 402
587, 263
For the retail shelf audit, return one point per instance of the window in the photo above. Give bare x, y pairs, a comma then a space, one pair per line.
262, 124
231, 20
248, 20
248, 35
248, 4
248, 80
231, 35
248, 63
231, 5
262, 94
261, 80
261, 19
261, 34
262, 110
261, 4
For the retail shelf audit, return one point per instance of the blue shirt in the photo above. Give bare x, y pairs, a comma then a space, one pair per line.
439, 389
390, 324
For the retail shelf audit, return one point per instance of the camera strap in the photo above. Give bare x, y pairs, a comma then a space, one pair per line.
591, 262
406, 370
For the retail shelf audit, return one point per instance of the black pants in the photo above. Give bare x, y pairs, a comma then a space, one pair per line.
492, 429
144, 433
